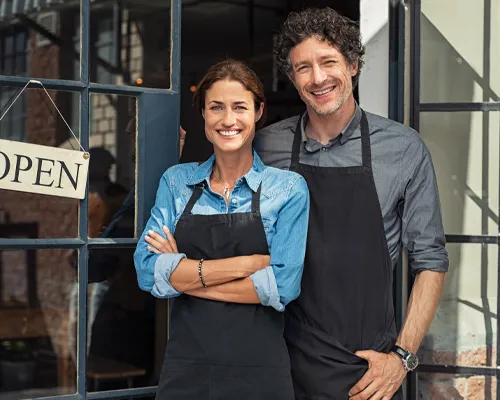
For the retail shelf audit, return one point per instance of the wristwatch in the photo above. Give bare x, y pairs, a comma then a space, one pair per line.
410, 360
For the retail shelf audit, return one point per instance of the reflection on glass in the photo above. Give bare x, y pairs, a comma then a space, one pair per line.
468, 176
450, 54
131, 42
35, 288
112, 166
456, 387
33, 119
464, 330
124, 338
34, 38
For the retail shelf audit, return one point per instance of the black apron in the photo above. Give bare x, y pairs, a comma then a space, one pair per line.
346, 299
218, 350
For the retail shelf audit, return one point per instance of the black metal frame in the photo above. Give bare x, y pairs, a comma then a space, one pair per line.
158, 113
416, 107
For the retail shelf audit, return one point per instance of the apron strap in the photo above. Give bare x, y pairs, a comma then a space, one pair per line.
297, 139
256, 200
198, 189
365, 141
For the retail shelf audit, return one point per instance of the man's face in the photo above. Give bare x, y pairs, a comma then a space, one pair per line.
321, 75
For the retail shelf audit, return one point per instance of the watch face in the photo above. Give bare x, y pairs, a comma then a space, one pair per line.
411, 362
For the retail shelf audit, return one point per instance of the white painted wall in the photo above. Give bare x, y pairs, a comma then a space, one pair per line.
374, 79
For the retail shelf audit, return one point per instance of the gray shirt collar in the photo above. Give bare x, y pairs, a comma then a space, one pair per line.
312, 145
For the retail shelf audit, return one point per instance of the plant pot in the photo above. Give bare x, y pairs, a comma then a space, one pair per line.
16, 375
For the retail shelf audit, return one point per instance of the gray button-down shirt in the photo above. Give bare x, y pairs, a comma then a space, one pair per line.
403, 172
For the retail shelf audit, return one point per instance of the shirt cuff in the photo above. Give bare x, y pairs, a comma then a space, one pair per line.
266, 287
165, 264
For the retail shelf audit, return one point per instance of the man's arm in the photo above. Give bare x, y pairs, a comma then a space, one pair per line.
424, 300
423, 236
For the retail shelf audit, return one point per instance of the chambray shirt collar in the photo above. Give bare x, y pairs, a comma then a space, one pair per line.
253, 178
312, 145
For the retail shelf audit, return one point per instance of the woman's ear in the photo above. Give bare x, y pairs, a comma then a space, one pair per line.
260, 111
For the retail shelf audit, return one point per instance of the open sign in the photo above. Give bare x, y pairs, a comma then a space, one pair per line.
41, 169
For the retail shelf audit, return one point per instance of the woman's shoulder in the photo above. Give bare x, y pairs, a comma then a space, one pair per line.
179, 174
277, 180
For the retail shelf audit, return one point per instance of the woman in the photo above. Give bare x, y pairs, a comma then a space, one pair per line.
229, 235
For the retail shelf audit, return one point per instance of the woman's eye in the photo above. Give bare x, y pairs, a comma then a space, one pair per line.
240, 108
216, 108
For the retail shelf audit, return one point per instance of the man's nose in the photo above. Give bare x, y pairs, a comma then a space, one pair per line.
319, 76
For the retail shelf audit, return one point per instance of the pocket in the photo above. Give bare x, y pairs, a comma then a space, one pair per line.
184, 382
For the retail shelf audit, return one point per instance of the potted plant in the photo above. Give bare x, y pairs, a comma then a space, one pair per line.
17, 365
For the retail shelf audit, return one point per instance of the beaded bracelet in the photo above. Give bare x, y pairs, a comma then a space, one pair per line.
199, 273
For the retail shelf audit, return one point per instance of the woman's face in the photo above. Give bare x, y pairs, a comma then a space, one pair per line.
230, 116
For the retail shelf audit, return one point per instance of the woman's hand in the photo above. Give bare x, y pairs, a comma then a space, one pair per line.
158, 244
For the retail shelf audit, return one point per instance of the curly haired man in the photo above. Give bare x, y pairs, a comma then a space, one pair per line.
373, 190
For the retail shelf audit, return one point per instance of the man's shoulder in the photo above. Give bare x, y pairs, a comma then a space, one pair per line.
284, 127
274, 142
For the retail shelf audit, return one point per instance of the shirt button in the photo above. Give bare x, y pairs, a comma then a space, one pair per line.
324, 149
233, 201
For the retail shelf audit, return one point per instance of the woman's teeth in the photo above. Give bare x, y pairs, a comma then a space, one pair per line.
322, 92
229, 133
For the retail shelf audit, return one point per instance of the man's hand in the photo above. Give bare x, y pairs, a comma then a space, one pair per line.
182, 141
384, 376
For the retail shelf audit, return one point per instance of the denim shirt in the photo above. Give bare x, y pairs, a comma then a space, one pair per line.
284, 209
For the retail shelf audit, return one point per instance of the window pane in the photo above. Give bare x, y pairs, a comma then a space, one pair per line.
126, 341
33, 119
112, 166
35, 311
464, 331
143, 35
464, 147
444, 386
457, 64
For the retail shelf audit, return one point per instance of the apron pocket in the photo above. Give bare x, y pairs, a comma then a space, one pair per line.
251, 383
184, 382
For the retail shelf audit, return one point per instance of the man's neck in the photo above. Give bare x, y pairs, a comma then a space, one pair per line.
325, 128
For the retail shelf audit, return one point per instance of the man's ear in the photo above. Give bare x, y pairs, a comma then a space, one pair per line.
353, 68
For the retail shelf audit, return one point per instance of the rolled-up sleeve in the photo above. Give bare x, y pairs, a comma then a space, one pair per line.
154, 270
422, 225
279, 284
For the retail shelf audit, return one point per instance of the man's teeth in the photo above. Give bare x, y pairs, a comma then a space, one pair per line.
323, 92
229, 133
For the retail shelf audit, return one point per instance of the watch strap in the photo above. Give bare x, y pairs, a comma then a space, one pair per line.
400, 351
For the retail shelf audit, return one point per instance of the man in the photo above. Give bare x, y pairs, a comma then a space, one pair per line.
373, 189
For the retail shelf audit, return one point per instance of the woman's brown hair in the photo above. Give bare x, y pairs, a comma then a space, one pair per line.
232, 70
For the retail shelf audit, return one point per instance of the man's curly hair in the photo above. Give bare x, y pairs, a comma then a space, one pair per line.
324, 24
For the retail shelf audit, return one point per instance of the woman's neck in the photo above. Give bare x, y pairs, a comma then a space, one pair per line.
229, 167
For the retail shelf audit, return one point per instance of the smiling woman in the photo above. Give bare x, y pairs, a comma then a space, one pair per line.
227, 239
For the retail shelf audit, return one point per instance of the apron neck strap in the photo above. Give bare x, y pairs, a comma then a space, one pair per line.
256, 200
297, 139
198, 189
365, 142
